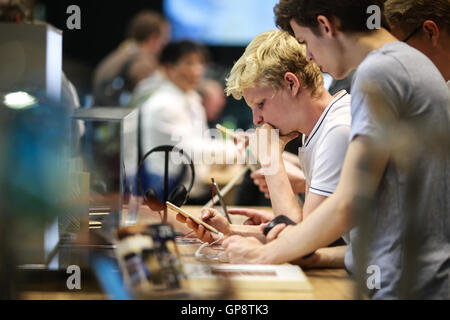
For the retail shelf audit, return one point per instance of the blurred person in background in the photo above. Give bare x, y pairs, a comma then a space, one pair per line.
15, 11
172, 114
133, 61
213, 100
424, 25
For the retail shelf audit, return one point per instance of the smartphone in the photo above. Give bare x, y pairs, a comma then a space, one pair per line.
222, 203
227, 131
190, 216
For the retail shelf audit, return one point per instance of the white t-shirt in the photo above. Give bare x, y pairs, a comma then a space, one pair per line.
170, 115
323, 151
173, 117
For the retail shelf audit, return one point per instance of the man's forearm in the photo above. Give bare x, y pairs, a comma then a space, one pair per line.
329, 257
334, 216
248, 231
327, 224
332, 257
284, 201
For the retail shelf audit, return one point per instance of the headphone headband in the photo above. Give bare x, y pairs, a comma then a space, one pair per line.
166, 148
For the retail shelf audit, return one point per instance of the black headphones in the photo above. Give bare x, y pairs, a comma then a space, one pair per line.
179, 195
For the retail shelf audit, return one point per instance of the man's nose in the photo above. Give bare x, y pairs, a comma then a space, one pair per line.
257, 119
309, 55
199, 69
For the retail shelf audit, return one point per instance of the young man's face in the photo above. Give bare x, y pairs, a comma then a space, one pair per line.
270, 108
163, 38
188, 71
324, 51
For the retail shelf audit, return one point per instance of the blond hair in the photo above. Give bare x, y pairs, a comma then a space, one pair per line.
267, 59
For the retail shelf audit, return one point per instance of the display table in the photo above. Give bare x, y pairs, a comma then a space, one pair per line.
326, 284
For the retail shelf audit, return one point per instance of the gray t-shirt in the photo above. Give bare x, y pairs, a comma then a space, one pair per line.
401, 82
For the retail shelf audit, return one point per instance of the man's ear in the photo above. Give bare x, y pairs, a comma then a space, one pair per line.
292, 83
431, 32
326, 26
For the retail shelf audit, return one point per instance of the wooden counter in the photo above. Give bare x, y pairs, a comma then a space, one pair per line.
327, 284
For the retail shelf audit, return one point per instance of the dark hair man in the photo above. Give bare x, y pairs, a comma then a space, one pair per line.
172, 114
424, 25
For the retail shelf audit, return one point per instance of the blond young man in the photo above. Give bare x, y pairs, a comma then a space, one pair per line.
424, 25
286, 92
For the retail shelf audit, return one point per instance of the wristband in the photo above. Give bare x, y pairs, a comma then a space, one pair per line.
278, 220
275, 221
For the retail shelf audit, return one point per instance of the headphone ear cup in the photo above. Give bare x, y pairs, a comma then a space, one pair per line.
178, 196
152, 200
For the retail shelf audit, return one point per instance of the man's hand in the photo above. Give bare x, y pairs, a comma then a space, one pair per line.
275, 231
295, 175
260, 181
267, 145
211, 217
241, 140
255, 217
244, 250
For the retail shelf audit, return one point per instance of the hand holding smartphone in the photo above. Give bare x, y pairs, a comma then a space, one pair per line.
190, 216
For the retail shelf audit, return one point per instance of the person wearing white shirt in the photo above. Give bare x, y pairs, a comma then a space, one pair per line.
173, 115
286, 92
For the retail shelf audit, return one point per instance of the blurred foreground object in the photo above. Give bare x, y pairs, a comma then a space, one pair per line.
109, 153
34, 135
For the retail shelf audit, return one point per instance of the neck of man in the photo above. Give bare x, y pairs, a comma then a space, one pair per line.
147, 48
314, 107
439, 52
359, 45
173, 77
441, 61
179, 83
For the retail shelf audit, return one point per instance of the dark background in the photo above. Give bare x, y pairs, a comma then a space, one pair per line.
103, 28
